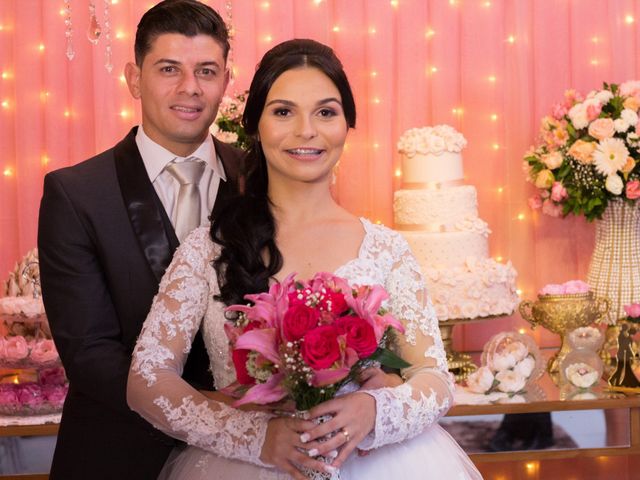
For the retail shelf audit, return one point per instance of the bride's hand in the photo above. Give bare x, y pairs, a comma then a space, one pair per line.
353, 417
281, 447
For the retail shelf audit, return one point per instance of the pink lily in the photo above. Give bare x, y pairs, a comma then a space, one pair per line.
262, 393
264, 341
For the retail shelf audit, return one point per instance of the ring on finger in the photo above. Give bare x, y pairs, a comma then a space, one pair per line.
345, 432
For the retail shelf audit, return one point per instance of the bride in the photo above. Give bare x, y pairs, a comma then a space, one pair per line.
299, 110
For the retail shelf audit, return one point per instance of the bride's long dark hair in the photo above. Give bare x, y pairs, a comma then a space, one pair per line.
245, 228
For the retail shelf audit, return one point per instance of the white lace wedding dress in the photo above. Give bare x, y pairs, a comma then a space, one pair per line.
225, 443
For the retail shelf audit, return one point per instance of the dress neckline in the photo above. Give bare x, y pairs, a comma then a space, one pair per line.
366, 226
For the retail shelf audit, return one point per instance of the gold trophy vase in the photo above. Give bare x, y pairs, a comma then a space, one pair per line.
561, 314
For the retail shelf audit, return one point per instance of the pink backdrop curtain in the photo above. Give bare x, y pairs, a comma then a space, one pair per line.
490, 68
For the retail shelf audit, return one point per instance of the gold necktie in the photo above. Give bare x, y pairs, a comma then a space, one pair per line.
186, 216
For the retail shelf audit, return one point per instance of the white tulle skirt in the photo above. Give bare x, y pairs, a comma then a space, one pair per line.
432, 455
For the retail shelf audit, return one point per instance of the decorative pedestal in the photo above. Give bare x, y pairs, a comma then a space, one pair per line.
460, 364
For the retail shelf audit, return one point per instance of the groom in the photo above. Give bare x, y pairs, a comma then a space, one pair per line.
108, 229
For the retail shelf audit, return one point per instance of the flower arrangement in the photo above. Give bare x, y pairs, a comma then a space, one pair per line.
566, 288
510, 361
582, 375
35, 397
227, 127
588, 154
305, 340
431, 140
633, 312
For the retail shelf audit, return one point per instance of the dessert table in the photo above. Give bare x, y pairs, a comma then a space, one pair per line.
622, 412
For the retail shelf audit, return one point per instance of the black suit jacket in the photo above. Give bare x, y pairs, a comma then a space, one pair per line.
104, 242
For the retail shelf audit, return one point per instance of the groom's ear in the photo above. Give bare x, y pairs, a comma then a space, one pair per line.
132, 75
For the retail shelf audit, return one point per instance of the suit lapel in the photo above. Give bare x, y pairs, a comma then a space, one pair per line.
148, 218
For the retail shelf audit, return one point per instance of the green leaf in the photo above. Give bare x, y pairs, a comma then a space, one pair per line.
389, 359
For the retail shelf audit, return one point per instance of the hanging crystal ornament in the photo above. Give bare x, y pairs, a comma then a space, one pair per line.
94, 31
108, 63
68, 32
232, 32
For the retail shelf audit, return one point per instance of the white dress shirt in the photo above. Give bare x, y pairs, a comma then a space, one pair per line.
156, 157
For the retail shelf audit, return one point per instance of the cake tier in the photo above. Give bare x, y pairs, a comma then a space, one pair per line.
431, 208
431, 169
480, 287
446, 249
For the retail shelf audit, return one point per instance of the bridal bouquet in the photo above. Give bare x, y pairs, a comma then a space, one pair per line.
306, 339
589, 152
227, 127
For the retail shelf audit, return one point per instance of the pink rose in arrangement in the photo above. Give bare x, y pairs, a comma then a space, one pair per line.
14, 348
43, 351
52, 376
30, 394
55, 394
633, 190
570, 287
602, 128
298, 320
633, 310
558, 192
360, 335
593, 111
551, 208
480, 381
535, 202
320, 348
9, 395
307, 339
559, 110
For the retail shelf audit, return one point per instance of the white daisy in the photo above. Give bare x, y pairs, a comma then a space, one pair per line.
610, 156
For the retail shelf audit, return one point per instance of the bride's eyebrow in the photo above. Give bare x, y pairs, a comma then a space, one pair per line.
289, 103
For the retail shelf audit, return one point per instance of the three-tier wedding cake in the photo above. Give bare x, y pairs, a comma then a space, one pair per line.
438, 215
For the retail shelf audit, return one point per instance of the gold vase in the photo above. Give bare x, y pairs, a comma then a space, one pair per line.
614, 271
561, 314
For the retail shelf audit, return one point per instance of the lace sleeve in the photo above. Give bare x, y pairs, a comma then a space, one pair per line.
405, 411
155, 389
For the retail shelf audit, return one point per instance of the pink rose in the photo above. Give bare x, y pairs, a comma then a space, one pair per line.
559, 110
30, 394
320, 348
15, 348
558, 192
576, 286
43, 351
633, 310
8, 395
551, 208
535, 202
602, 128
360, 335
633, 189
55, 394
593, 110
334, 302
52, 376
298, 320
552, 289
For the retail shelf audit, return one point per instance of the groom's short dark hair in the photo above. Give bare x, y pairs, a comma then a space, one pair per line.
186, 17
